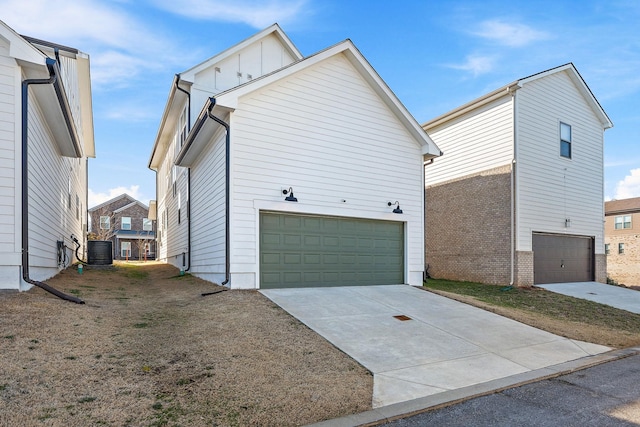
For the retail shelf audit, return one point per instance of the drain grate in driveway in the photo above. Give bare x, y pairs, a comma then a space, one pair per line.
402, 317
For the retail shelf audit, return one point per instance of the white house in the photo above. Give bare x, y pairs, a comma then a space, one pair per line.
275, 170
517, 196
46, 137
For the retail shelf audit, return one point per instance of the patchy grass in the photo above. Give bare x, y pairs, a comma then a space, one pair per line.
149, 350
563, 315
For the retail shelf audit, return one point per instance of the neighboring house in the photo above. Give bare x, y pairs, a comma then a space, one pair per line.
46, 138
622, 240
517, 195
125, 222
276, 170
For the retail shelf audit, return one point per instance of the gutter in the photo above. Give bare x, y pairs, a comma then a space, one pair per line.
188, 266
53, 79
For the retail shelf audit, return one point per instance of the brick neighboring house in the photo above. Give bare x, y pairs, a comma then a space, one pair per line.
516, 197
125, 221
622, 240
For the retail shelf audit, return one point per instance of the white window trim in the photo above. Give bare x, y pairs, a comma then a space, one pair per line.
125, 225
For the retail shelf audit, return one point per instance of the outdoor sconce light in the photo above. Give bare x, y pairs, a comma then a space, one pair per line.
567, 222
397, 208
290, 197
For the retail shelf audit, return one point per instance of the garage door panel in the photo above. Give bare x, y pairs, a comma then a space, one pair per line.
560, 258
300, 250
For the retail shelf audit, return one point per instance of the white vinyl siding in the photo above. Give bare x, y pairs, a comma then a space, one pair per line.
324, 132
474, 142
208, 210
49, 174
9, 158
552, 188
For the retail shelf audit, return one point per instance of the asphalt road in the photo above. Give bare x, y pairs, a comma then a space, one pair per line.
604, 395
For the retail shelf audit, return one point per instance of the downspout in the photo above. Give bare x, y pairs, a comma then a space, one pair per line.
51, 65
227, 247
425, 163
188, 266
512, 213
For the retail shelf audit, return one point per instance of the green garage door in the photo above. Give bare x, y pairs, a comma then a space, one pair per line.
312, 251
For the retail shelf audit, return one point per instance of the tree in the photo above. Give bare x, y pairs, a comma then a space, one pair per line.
105, 225
141, 243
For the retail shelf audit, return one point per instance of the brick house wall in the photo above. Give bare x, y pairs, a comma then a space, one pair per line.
624, 268
468, 228
116, 209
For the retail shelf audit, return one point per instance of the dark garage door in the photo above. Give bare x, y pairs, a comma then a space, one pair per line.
311, 251
558, 258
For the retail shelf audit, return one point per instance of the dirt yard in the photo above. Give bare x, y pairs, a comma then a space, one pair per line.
148, 350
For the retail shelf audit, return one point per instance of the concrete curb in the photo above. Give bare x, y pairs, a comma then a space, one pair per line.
412, 407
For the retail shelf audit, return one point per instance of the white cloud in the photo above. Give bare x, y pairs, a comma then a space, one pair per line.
257, 13
120, 45
629, 186
476, 64
97, 198
509, 34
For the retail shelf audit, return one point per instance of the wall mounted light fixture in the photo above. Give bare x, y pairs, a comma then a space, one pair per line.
397, 208
567, 222
290, 197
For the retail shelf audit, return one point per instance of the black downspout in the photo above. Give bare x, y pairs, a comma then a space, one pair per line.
188, 266
227, 247
25, 184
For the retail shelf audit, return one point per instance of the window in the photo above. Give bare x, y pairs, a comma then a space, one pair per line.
620, 248
125, 249
69, 193
125, 223
565, 140
623, 221
77, 207
105, 223
147, 224
607, 248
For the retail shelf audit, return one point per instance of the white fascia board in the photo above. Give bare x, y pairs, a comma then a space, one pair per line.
201, 133
166, 129
86, 104
24, 52
189, 75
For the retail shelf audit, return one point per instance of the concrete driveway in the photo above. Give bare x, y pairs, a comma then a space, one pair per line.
435, 345
615, 296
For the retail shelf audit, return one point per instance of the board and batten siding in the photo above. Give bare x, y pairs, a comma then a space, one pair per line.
551, 188
9, 166
208, 211
476, 141
255, 60
324, 132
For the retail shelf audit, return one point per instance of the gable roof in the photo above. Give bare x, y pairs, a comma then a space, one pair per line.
228, 100
178, 96
110, 201
569, 68
615, 207
274, 29
34, 57
130, 205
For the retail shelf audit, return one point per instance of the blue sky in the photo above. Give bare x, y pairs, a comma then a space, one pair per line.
434, 54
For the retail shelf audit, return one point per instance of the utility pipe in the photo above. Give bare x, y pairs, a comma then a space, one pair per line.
53, 76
